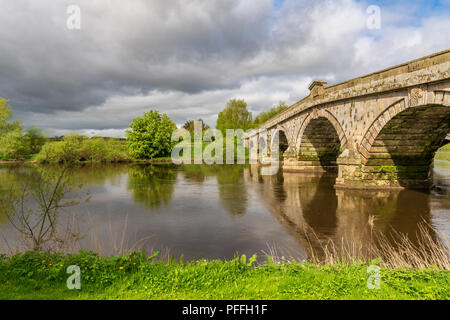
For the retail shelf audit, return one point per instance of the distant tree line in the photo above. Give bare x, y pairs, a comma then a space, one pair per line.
266, 115
189, 125
76, 148
236, 116
149, 136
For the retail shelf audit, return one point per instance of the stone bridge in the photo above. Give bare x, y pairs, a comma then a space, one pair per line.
378, 130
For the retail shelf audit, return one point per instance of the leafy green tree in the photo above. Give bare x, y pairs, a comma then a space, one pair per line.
234, 116
189, 125
33, 140
264, 116
10, 134
11, 147
14, 144
5, 114
151, 135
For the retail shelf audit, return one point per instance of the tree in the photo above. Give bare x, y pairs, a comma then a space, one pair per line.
264, 116
14, 144
10, 134
34, 139
189, 125
5, 114
234, 116
151, 135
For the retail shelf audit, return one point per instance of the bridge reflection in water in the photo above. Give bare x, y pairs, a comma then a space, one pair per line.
319, 216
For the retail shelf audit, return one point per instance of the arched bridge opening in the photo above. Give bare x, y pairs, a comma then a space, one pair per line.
283, 143
402, 152
319, 146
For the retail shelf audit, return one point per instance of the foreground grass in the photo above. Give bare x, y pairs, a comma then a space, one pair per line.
36, 275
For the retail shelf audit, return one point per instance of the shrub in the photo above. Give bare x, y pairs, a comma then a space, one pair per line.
76, 147
15, 144
151, 136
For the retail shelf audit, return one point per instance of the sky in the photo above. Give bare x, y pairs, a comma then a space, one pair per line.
187, 58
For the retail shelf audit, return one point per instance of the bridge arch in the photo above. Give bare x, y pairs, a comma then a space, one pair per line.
320, 141
283, 140
399, 146
314, 114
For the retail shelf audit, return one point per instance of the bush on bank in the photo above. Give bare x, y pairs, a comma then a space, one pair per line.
38, 275
16, 143
150, 136
77, 147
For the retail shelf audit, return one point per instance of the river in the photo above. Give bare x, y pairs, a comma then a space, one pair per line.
210, 212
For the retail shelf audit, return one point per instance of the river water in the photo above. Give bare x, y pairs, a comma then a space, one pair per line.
218, 211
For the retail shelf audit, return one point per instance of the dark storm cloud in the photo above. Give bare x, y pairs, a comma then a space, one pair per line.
187, 57
122, 48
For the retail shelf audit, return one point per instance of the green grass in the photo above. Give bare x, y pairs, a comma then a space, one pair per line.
43, 276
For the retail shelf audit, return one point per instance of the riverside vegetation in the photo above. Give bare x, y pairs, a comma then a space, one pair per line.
38, 275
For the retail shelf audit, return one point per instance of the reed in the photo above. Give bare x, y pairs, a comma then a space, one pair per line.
391, 250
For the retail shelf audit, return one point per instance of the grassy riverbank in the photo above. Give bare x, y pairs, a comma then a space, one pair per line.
43, 276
